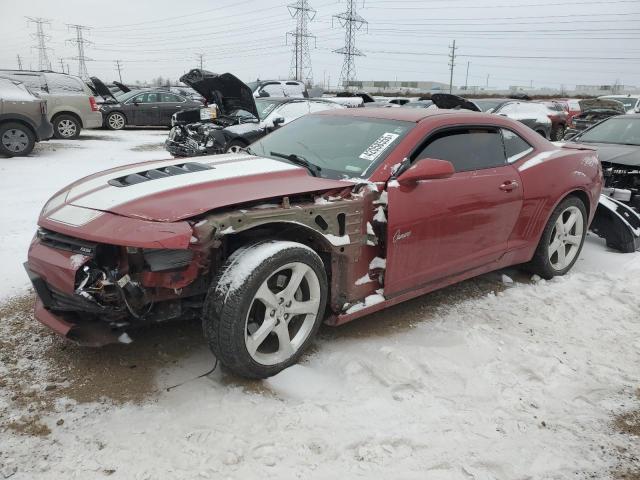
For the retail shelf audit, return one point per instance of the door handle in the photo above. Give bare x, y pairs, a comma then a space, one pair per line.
154, 107
509, 186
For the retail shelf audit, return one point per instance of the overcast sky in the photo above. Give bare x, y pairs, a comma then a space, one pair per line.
593, 42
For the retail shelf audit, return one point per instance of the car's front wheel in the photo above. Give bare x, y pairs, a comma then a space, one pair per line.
235, 146
16, 140
66, 127
115, 121
561, 240
265, 307
557, 134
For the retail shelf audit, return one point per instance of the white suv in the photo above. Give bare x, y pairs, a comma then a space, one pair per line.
70, 104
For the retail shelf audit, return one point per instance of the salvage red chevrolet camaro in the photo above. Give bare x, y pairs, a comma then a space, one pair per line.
335, 216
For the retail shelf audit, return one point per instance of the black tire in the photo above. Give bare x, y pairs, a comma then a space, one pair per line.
115, 121
66, 127
541, 263
235, 145
16, 140
557, 133
227, 307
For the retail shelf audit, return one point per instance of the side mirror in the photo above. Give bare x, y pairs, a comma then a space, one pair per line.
136, 103
262, 93
278, 121
426, 169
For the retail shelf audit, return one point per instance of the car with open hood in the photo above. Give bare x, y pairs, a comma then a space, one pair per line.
233, 118
337, 215
593, 111
148, 107
631, 102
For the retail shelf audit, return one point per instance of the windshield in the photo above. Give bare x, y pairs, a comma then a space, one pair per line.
620, 130
123, 97
486, 105
628, 102
265, 107
342, 146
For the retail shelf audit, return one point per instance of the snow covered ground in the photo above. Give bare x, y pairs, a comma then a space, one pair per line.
490, 379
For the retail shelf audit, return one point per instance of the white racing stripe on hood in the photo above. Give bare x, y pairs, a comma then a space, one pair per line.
109, 197
101, 180
74, 216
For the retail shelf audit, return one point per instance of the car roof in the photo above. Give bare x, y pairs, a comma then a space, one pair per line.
620, 96
402, 114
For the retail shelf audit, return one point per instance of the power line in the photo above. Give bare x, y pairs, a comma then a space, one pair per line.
452, 63
80, 43
43, 59
352, 23
301, 60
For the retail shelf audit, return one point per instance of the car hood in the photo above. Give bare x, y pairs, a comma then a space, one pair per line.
448, 101
225, 90
102, 90
628, 155
174, 190
601, 104
122, 86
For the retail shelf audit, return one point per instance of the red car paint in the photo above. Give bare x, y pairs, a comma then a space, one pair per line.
439, 231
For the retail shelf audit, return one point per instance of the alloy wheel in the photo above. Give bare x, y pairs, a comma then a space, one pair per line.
282, 314
67, 128
116, 121
15, 140
566, 238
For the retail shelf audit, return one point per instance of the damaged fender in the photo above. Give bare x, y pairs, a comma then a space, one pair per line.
618, 224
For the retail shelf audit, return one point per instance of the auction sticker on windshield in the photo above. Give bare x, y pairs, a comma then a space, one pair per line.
379, 146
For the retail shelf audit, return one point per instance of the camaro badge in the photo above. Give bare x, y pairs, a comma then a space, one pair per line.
400, 235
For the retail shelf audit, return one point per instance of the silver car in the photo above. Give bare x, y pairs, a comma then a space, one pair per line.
23, 119
71, 106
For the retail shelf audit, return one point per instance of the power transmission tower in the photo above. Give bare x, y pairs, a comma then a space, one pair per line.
19, 62
301, 60
352, 23
201, 58
80, 43
452, 63
43, 59
119, 72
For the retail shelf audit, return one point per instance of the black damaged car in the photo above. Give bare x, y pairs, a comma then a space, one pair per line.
232, 118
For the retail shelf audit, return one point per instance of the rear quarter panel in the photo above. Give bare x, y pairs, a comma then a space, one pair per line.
548, 177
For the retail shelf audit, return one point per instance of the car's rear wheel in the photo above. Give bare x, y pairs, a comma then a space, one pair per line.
561, 240
265, 307
235, 146
66, 127
115, 121
16, 140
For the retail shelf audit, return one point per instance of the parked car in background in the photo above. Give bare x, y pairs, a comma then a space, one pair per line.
489, 104
559, 119
278, 88
419, 104
533, 115
631, 102
332, 217
23, 119
617, 141
593, 111
233, 118
152, 107
70, 103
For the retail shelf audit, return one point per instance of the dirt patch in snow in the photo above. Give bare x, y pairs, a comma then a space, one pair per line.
148, 147
40, 369
628, 423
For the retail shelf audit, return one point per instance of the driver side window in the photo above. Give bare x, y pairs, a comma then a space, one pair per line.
469, 148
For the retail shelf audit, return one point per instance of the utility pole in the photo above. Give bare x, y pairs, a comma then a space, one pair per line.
80, 43
43, 59
466, 78
119, 72
62, 65
352, 23
200, 56
487, 80
19, 61
301, 60
452, 63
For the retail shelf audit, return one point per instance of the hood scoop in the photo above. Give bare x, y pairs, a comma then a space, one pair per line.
157, 173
